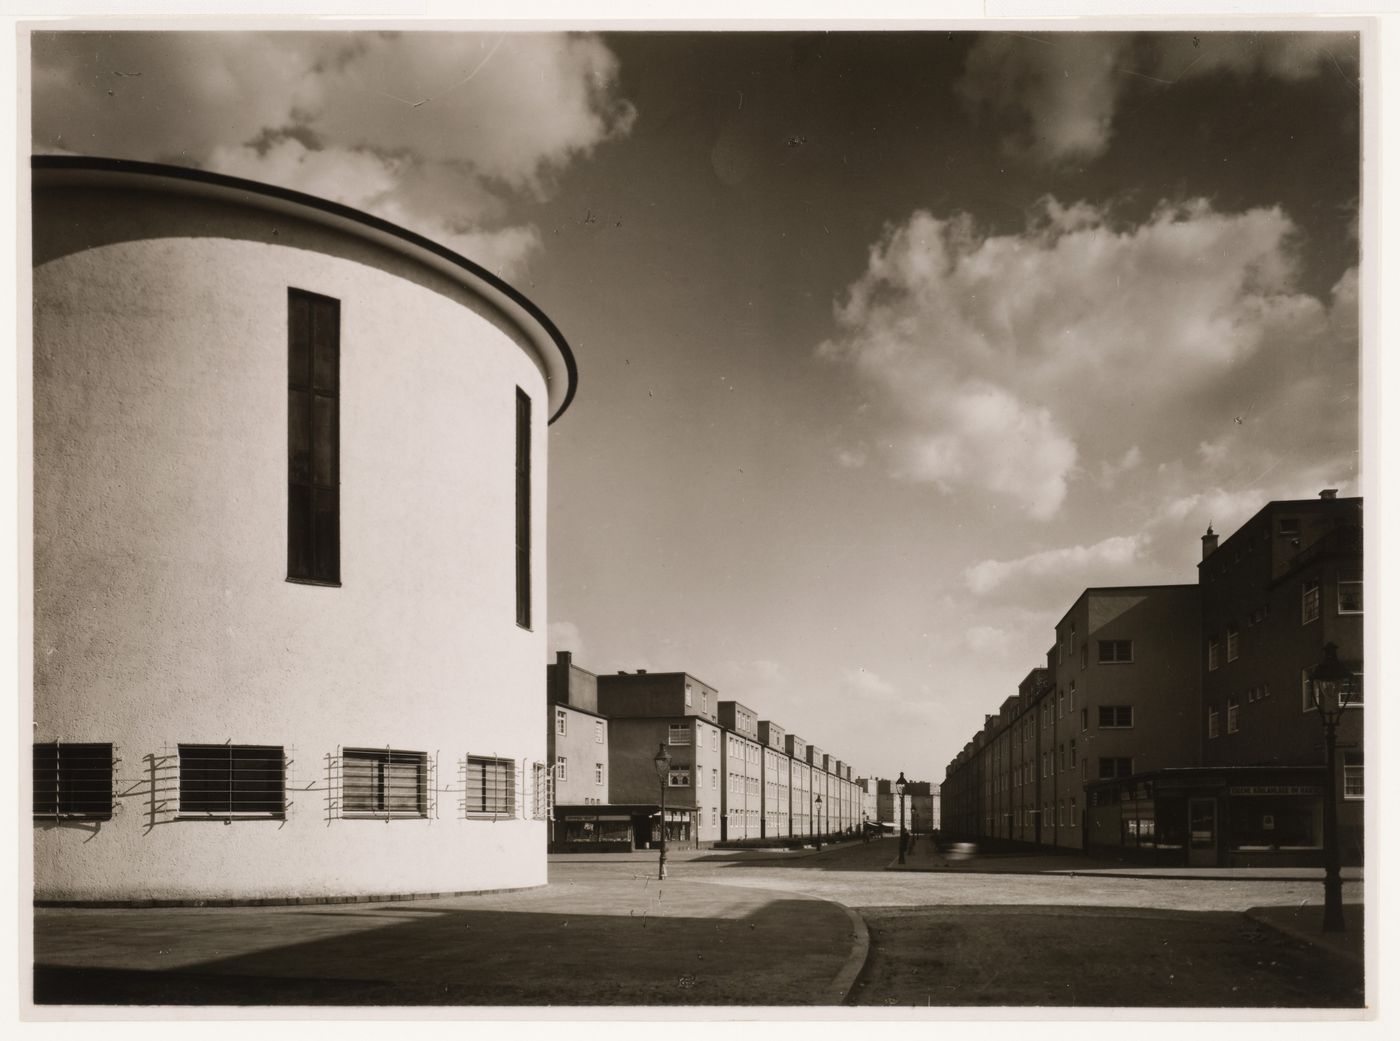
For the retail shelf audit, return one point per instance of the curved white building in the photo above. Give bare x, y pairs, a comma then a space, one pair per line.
289, 519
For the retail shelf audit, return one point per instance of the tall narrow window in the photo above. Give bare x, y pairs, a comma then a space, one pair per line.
313, 438
522, 508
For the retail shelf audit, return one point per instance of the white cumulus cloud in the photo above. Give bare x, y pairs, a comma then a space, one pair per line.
1015, 364
436, 131
1103, 563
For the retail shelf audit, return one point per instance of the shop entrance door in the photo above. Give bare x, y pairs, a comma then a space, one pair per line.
1201, 847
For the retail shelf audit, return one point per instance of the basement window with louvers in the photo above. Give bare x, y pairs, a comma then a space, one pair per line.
383, 783
73, 781
490, 787
227, 781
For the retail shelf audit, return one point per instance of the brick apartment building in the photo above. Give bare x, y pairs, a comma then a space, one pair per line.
1174, 723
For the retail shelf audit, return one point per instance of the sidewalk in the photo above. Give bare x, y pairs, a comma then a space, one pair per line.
617, 941
923, 858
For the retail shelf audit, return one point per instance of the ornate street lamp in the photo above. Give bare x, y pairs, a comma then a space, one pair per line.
663, 773
899, 786
819, 819
1331, 693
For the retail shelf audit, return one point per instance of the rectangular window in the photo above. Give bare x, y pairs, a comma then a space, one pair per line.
1232, 642
1213, 723
1071, 638
561, 768
599, 732
1061, 709
522, 508
714, 778
1071, 698
1213, 654
1288, 527
1115, 766
1084, 655
233, 780
1073, 755
1083, 719
1312, 600
1115, 716
597, 773
1232, 715
1074, 813
705, 701
679, 778
678, 734
688, 695
313, 438
1353, 776
561, 722
384, 782
714, 740
1349, 588
73, 780
1115, 651
490, 786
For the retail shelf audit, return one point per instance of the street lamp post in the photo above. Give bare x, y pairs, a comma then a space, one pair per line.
1331, 693
819, 822
663, 773
903, 838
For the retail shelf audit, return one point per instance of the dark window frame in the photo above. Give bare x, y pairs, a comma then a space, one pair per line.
313, 412
523, 439
489, 787
232, 782
1109, 652
1115, 716
388, 798
73, 780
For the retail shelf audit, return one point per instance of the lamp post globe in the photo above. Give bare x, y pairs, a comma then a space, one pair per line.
663, 774
1331, 693
899, 787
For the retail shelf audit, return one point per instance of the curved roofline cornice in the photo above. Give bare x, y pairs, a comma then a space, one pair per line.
560, 368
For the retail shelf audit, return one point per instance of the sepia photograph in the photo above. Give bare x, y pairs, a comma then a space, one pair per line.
695, 520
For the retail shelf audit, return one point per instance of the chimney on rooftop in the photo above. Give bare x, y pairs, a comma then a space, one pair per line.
1327, 493
1208, 542
563, 658
641, 672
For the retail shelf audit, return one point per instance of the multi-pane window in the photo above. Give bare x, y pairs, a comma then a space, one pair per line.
1115, 715
1213, 654
1349, 589
490, 786
1071, 697
1312, 600
1084, 655
1232, 715
1232, 642
384, 782
1083, 719
522, 508
1073, 755
313, 438
73, 780
1353, 776
561, 768
679, 777
599, 732
561, 722
1288, 527
597, 773
233, 780
688, 695
1115, 766
678, 734
1115, 650
540, 809
1213, 722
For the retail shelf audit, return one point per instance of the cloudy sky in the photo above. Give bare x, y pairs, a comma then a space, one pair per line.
889, 343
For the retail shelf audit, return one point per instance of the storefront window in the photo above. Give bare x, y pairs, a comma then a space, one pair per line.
1275, 822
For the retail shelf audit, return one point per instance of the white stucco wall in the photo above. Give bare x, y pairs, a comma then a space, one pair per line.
162, 613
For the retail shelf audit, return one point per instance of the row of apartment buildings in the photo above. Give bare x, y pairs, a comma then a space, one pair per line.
1175, 723
732, 776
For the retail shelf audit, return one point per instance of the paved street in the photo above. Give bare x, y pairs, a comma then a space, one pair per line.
731, 929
